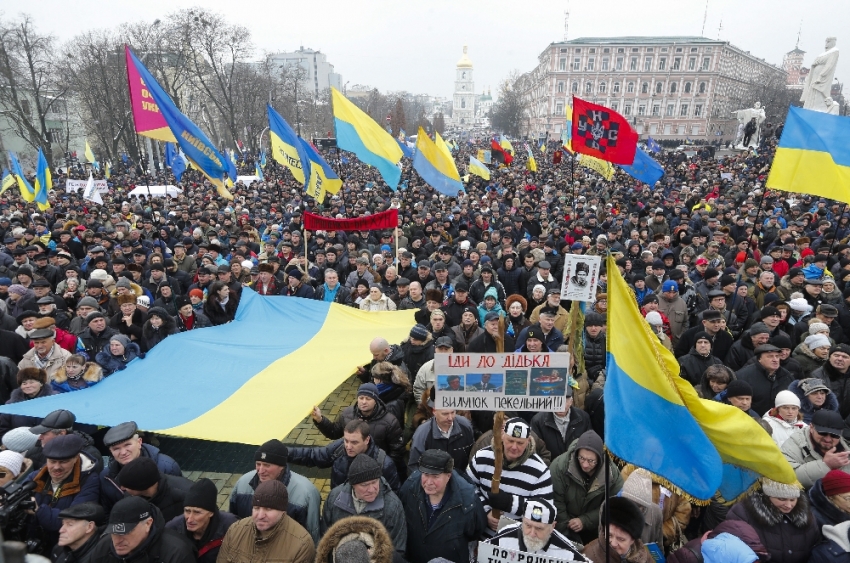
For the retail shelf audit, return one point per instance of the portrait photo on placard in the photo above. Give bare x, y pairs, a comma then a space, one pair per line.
485, 382
450, 383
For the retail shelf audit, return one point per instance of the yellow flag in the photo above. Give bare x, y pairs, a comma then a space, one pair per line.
89, 154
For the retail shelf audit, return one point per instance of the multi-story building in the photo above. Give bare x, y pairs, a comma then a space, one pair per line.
463, 101
320, 73
792, 63
669, 87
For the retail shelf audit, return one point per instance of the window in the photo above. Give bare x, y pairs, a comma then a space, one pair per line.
677, 63
698, 110
463, 103
560, 86
574, 88
662, 63
588, 88
692, 63
621, 50
708, 49
634, 49
653, 129
667, 129
693, 49
670, 110
678, 49
680, 130
559, 109
606, 50
562, 64
627, 109
590, 62
650, 50
633, 64
695, 130
663, 49
602, 88
605, 63
702, 87
630, 87
578, 50
592, 51
642, 109
673, 87
644, 88
687, 87
683, 110
659, 87
577, 63
564, 50
615, 106
706, 62
656, 109
615, 88
619, 63
647, 63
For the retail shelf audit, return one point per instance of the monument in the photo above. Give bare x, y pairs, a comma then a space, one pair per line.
749, 126
819, 81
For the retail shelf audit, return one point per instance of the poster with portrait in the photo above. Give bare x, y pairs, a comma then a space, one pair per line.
581, 274
493, 382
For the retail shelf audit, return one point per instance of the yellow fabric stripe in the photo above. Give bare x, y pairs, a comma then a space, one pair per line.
809, 172
287, 155
278, 398
374, 137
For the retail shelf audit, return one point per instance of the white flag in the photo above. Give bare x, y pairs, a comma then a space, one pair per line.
91, 193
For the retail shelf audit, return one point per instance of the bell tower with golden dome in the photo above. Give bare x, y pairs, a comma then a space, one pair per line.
463, 103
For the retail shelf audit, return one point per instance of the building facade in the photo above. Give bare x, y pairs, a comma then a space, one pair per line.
320, 73
674, 88
792, 63
463, 100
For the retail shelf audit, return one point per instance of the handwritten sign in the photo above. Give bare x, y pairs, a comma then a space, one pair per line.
494, 382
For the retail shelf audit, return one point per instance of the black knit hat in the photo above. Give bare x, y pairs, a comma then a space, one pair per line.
739, 388
273, 452
625, 514
363, 469
139, 475
202, 494
271, 494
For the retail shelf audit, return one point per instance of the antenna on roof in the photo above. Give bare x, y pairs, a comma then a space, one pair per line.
719, 29
567, 22
799, 32
704, 18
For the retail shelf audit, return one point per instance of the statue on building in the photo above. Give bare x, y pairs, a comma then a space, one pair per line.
749, 126
819, 80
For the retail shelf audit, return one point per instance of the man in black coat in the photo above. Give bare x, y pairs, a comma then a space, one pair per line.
202, 523
713, 324
82, 525
559, 429
766, 376
486, 342
142, 478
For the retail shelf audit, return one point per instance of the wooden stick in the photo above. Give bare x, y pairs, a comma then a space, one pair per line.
499, 452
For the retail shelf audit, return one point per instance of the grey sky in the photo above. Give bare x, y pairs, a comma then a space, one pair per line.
414, 46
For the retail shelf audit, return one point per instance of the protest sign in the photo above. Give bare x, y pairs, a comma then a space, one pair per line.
74, 186
581, 274
489, 553
497, 382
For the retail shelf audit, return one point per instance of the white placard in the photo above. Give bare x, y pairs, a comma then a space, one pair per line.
74, 186
523, 381
489, 553
581, 274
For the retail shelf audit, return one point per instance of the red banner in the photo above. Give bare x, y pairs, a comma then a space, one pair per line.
603, 133
385, 220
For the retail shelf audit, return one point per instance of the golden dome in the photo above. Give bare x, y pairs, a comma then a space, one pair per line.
464, 61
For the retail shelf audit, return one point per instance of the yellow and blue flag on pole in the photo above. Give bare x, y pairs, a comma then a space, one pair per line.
197, 148
567, 133
530, 164
360, 134
258, 170
700, 446
89, 154
442, 145
478, 168
813, 155
286, 147
107, 171
435, 167
7, 182
27, 191
322, 177
43, 181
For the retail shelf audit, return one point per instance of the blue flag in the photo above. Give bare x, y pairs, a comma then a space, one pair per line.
343, 159
174, 160
404, 148
644, 168
652, 145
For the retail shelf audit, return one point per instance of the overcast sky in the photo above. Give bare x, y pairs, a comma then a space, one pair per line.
414, 46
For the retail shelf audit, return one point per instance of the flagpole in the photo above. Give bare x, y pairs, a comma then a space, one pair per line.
758, 218
835, 236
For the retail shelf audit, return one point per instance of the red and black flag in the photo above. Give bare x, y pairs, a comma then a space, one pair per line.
603, 133
499, 154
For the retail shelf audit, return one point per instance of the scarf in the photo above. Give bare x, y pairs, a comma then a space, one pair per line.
330, 294
223, 302
188, 322
40, 362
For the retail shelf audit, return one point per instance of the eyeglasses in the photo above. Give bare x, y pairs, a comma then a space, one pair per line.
586, 460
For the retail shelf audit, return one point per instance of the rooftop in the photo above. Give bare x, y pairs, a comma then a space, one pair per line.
639, 40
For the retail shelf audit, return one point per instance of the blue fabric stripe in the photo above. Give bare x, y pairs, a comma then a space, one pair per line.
434, 177
653, 433
179, 387
815, 131
347, 139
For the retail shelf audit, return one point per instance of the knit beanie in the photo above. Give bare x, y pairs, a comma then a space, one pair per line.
271, 494
17, 289
139, 475
779, 490
369, 390
273, 452
654, 318
786, 398
818, 328
12, 461
88, 301
816, 341
199, 293
759, 328
626, 515
202, 494
835, 482
124, 340
738, 388
363, 469
352, 551
19, 439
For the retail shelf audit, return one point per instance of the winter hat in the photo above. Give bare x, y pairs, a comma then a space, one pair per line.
626, 515
654, 318
727, 548
739, 388
419, 332
812, 384
818, 328
835, 482
181, 301
143, 301
781, 340
594, 319
202, 494
669, 285
126, 298
273, 452
800, 305
17, 289
779, 490
843, 348
759, 328
5, 281
35, 374
816, 341
139, 475
434, 295
369, 390
19, 439
638, 486
159, 312
352, 551
590, 440
271, 494
702, 335
199, 293
363, 468
786, 398
88, 301
125, 283
521, 300
12, 461
125, 341
99, 274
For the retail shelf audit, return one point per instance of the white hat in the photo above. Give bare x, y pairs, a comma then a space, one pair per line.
11, 461
98, 274
800, 305
143, 301
19, 439
816, 341
786, 397
654, 318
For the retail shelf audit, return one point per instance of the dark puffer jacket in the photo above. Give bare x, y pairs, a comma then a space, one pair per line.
694, 364
806, 407
170, 492
152, 336
789, 538
110, 492
384, 427
161, 546
595, 355
415, 355
839, 383
333, 455
209, 545
826, 513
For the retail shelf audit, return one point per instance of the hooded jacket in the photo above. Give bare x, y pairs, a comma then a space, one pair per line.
836, 545
544, 425
111, 363
826, 513
151, 336
482, 311
355, 528
161, 546
92, 374
415, 355
694, 364
386, 509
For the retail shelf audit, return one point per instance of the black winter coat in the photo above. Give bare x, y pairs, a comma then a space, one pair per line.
741, 352
826, 513
161, 546
207, 547
484, 344
152, 336
694, 365
839, 383
333, 455
595, 355
385, 428
511, 280
764, 389
170, 494
415, 355
543, 424
94, 343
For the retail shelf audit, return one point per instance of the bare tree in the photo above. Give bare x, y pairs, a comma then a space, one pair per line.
398, 118
509, 112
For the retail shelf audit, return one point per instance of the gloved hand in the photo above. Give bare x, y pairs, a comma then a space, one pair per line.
502, 501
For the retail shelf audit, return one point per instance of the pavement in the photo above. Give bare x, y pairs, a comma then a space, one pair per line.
223, 463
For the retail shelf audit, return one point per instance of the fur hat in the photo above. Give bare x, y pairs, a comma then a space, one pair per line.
265, 267
35, 374
44, 322
626, 515
434, 295
126, 298
516, 299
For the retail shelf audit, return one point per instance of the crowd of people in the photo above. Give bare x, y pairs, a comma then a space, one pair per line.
747, 288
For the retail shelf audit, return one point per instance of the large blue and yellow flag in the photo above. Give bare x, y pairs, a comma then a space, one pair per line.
27, 191
478, 168
436, 165
655, 419
43, 181
197, 148
322, 177
287, 148
813, 155
234, 386
360, 134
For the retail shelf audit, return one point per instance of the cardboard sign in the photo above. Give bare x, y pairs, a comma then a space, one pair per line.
581, 274
489, 553
502, 382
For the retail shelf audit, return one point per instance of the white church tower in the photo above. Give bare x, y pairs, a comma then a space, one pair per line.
463, 104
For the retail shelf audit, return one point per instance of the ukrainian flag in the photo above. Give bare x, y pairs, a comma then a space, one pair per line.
27, 191
530, 164
443, 146
813, 155
358, 133
655, 419
7, 182
322, 177
286, 147
478, 168
567, 133
506, 144
43, 181
435, 167
240, 375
